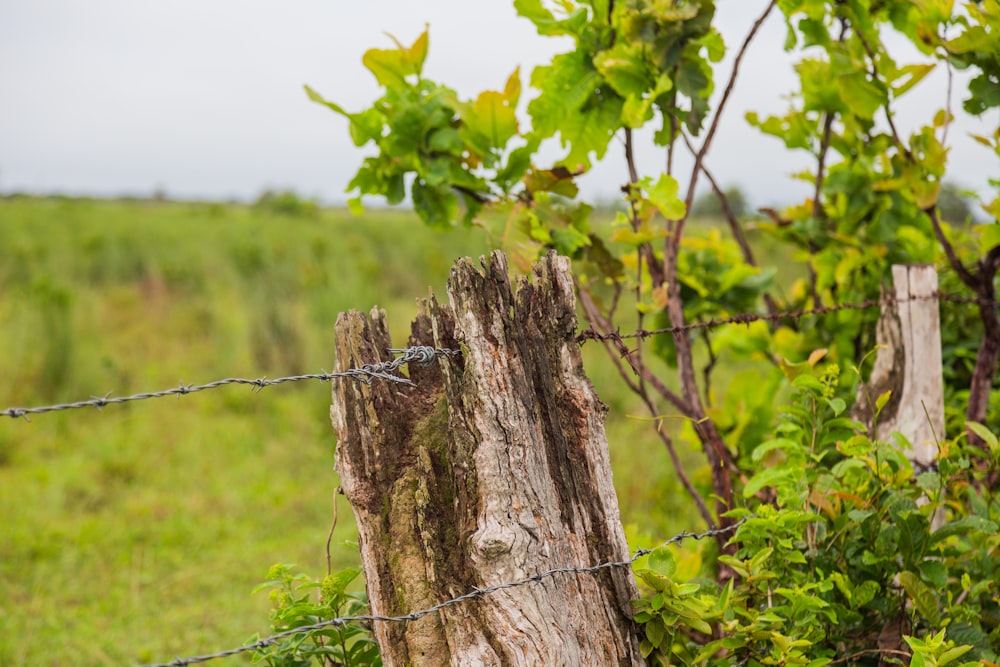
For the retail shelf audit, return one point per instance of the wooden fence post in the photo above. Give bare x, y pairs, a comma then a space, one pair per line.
909, 364
493, 468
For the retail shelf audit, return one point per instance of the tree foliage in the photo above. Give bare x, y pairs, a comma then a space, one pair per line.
837, 557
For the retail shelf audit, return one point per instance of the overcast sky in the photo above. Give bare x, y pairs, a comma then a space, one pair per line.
203, 98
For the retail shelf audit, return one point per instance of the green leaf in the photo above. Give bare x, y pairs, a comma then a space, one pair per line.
654, 580
663, 195
837, 404
568, 240
862, 96
662, 560
781, 444
569, 106
655, 631
589, 132
566, 85
319, 99
714, 44
953, 653
392, 66
934, 573
864, 593
625, 68
338, 582
913, 74
882, 400
436, 206
546, 23
767, 477
964, 525
700, 625
491, 116
923, 598
807, 381
989, 238
518, 162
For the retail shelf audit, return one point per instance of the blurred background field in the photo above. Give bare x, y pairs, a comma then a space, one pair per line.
136, 534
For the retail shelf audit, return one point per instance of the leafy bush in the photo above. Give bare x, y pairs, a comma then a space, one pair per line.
846, 553
344, 645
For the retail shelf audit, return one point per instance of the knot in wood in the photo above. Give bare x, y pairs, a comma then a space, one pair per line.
493, 541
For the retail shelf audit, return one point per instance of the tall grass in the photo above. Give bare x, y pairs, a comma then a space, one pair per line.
136, 534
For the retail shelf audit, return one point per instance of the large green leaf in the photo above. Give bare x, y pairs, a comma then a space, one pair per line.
625, 68
566, 86
923, 598
437, 206
589, 131
491, 116
663, 195
861, 95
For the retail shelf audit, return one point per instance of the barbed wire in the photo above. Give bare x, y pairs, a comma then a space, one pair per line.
423, 355
746, 318
471, 595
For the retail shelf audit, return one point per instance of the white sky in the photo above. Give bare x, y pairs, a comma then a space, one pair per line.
204, 99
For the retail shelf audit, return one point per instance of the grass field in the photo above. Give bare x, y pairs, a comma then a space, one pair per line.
136, 534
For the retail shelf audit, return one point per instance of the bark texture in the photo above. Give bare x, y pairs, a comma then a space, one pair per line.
494, 467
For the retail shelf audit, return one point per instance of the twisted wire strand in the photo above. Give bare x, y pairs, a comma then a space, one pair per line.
471, 595
421, 354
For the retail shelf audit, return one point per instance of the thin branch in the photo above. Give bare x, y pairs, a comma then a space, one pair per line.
668, 442
633, 179
718, 114
329, 535
824, 148
967, 277
706, 371
606, 332
595, 319
673, 126
633, 175
718, 455
888, 111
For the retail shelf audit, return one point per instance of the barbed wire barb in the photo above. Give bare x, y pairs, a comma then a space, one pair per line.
383, 370
476, 592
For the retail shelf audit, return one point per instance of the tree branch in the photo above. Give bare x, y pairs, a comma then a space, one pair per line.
971, 281
604, 328
595, 320
700, 155
668, 442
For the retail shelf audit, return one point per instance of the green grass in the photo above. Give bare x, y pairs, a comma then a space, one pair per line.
136, 534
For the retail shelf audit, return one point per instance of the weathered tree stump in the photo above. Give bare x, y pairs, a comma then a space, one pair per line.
493, 468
